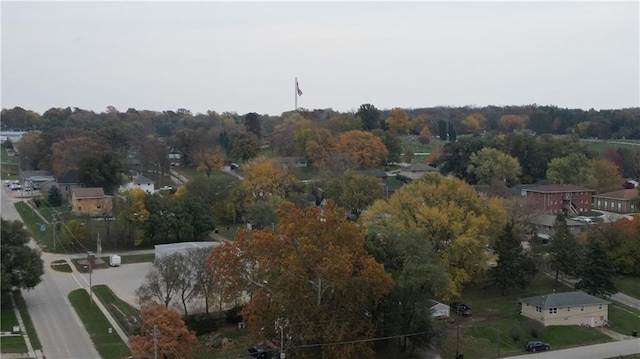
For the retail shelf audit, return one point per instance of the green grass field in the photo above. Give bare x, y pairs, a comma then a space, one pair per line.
127, 316
628, 285
599, 146
108, 345
61, 266
623, 319
26, 320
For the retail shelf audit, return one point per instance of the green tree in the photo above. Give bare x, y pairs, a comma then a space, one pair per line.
21, 265
244, 145
511, 267
252, 124
596, 272
102, 169
54, 197
370, 116
540, 122
489, 164
572, 169
564, 249
354, 192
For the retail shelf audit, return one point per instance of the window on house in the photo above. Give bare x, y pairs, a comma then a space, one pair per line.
600, 306
553, 310
582, 308
568, 309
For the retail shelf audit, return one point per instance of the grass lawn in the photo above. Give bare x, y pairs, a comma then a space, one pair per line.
495, 323
13, 344
61, 265
599, 146
109, 346
26, 319
127, 316
229, 230
135, 258
623, 319
628, 285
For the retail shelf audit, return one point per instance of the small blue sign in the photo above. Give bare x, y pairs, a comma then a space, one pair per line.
43, 228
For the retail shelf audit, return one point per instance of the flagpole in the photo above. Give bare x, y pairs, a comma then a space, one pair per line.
295, 92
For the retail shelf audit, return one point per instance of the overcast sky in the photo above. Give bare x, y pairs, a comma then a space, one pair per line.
243, 57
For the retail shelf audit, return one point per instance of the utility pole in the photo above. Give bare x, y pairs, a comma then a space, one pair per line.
90, 271
457, 341
498, 331
155, 342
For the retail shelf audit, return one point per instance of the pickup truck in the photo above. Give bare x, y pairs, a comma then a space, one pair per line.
460, 308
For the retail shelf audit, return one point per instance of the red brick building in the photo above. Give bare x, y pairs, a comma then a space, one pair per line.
556, 198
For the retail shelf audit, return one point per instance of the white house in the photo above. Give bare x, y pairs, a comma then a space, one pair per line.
439, 310
140, 182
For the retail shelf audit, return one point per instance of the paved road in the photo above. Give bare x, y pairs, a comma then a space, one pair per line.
598, 351
60, 331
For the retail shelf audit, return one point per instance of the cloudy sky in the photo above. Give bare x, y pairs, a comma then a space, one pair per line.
244, 56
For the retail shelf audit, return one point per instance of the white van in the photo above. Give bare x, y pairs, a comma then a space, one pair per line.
115, 260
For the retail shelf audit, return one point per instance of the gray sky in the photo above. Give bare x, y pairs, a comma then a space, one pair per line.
232, 56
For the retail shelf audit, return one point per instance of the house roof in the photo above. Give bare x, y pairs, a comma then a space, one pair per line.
555, 188
140, 179
419, 167
92, 192
70, 176
432, 304
565, 299
623, 194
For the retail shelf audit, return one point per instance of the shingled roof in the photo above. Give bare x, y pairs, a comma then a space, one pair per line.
564, 299
554, 188
92, 192
623, 194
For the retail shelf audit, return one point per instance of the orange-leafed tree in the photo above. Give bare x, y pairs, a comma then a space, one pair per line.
174, 340
425, 135
606, 176
209, 160
264, 178
398, 121
361, 148
310, 281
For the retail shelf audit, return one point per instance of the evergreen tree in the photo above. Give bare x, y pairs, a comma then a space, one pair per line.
54, 197
511, 270
596, 272
564, 249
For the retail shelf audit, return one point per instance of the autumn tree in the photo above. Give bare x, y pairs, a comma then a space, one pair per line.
370, 116
606, 177
66, 154
307, 275
457, 223
510, 123
362, 149
131, 212
264, 178
244, 145
164, 281
392, 142
472, 123
204, 274
154, 155
344, 122
283, 135
73, 233
398, 121
354, 192
21, 264
162, 328
29, 149
209, 160
425, 135
596, 272
489, 164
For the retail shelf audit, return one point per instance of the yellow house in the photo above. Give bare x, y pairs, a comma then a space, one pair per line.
90, 202
568, 308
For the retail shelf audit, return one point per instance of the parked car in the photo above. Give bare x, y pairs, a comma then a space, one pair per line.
536, 346
15, 186
460, 308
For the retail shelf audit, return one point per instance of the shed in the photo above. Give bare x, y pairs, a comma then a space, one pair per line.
163, 250
439, 310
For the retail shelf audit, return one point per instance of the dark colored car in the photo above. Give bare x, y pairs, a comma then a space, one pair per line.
460, 308
536, 346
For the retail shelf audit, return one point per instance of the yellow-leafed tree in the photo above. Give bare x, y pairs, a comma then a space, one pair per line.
264, 178
360, 148
449, 214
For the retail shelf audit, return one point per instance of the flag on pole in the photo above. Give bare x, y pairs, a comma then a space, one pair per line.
298, 89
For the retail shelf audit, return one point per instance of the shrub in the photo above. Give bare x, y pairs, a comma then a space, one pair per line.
200, 323
233, 315
536, 329
515, 334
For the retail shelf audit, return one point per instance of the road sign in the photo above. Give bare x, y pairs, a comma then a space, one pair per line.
43, 228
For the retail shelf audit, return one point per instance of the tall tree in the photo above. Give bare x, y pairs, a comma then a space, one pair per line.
354, 192
244, 145
572, 169
451, 216
489, 164
596, 272
209, 160
21, 265
361, 148
564, 250
605, 176
398, 121
264, 178
252, 124
540, 122
511, 267
162, 328
163, 282
370, 116
102, 169
308, 275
